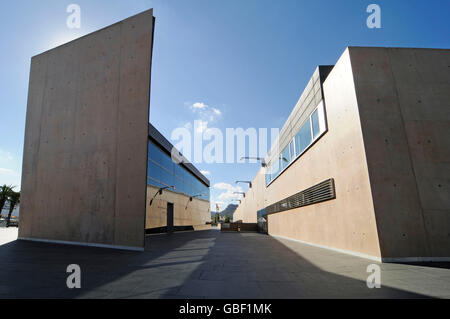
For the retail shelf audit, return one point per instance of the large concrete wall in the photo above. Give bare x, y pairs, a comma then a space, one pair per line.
85, 152
254, 200
186, 213
348, 222
404, 103
388, 149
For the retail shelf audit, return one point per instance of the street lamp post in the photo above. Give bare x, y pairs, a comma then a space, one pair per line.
248, 182
239, 193
263, 161
160, 192
191, 199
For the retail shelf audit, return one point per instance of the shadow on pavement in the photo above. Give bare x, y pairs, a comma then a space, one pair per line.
205, 264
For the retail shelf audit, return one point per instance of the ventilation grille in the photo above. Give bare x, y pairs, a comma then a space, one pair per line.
316, 194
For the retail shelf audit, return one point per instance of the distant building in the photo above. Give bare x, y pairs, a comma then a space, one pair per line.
183, 207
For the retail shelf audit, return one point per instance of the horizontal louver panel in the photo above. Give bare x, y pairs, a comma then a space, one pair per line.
313, 195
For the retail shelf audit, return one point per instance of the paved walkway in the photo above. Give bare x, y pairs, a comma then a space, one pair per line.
209, 264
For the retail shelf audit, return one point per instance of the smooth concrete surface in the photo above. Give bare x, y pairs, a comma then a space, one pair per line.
210, 264
85, 152
404, 103
186, 213
254, 200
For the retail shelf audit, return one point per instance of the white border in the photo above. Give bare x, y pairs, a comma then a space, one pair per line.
73, 243
378, 259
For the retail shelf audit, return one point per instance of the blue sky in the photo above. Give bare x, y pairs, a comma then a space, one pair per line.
249, 59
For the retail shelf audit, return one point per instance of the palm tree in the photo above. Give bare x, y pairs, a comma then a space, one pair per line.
5, 192
14, 199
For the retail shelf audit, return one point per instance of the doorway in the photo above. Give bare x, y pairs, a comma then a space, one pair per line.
169, 218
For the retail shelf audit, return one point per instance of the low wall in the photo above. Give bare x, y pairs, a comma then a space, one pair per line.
239, 227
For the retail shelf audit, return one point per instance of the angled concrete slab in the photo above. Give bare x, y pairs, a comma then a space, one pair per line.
85, 153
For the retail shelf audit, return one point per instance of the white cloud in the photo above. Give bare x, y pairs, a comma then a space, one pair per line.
10, 169
6, 155
205, 172
200, 105
228, 196
6, 171
204, 111
228, 187
9, 177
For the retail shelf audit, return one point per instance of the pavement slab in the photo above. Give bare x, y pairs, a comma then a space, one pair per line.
209, 264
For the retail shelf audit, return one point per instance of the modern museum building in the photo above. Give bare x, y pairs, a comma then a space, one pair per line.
361, 164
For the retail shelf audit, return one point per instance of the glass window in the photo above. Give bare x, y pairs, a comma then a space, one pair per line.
303, 138
206, 193
276, 168
268, 177
179, 185
268, 174
179, 171
163, 172
291, 148
285, 157
315, 124
156, 154
160, 174
309, 132
152, 182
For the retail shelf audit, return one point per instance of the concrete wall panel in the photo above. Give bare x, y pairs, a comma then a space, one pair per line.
403, 97
85, 153
254, 200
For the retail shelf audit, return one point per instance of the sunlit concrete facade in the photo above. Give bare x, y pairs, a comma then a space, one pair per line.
386, 149
86, 151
